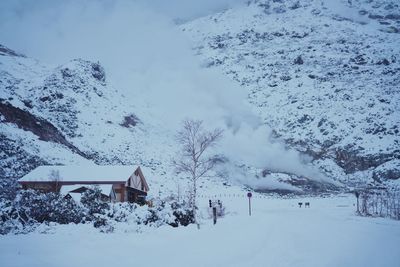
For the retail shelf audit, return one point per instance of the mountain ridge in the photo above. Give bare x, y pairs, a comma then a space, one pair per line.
314, 75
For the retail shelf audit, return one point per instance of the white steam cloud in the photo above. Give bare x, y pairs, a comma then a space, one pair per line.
145, 54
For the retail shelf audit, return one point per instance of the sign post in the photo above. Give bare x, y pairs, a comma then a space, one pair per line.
249, 195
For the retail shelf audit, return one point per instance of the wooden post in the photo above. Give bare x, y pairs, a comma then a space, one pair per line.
357, 196
215, 214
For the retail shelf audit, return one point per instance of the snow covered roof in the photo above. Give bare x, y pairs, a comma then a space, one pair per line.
76, 196
65, 189
80, 173
104, 188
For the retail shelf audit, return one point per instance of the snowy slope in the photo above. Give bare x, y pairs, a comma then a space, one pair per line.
323, 75
69, 114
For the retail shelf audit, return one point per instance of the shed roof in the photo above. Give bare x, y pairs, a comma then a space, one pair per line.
65, 189
80, 173
76, 196
104, 188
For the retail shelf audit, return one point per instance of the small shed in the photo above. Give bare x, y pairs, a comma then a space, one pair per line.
118, 183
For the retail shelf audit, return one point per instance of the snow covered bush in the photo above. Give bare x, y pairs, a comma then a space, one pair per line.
125, 212
158, 215
93, 200
183, 214
8, 187
10, 220
162, 212
170, 211
30, 208
97, 208
47, 207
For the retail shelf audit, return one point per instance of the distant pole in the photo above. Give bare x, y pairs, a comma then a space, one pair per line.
249, 207
249, 195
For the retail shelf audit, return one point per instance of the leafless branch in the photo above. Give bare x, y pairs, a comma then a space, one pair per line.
195, 141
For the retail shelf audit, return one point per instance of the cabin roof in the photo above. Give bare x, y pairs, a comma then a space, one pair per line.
81, 173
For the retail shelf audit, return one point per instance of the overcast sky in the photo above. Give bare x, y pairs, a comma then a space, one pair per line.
38, 27
183, 9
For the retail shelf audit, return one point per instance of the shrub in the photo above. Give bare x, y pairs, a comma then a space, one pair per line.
93, 200
169, 212
31, 207
183, 214
47, 207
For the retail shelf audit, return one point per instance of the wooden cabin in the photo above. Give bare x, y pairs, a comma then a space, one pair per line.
117, 183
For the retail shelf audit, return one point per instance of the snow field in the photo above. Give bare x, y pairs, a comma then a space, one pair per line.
278, 233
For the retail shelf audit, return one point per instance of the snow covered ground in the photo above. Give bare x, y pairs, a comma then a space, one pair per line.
278, 233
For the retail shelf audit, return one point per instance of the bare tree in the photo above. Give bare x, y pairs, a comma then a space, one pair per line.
54, 176
194, 160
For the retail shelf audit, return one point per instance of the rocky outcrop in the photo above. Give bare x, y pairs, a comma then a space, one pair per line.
38, 126
5, 51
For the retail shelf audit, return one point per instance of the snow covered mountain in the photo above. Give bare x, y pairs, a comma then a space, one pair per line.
324, 77
323, 74
66, 115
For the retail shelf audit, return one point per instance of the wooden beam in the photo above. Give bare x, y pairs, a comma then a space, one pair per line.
123, 193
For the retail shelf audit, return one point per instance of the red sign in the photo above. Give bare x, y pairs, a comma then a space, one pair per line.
249, 194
